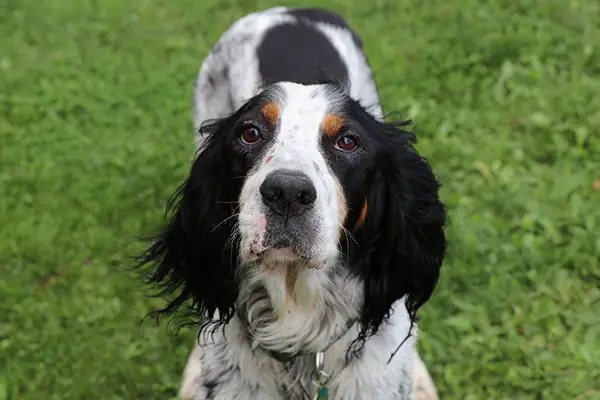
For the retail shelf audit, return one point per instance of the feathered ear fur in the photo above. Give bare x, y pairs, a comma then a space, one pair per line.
196, 253
402, 241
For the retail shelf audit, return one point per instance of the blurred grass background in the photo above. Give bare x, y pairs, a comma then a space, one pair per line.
95, 134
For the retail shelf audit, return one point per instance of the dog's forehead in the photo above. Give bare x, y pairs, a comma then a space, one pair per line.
303, 110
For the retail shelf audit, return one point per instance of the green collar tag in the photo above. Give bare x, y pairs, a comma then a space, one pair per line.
322, 393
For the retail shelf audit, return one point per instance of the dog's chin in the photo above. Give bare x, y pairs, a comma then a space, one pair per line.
273, 255
278, 257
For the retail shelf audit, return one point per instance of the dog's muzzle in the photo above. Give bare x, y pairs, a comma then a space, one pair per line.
289, 197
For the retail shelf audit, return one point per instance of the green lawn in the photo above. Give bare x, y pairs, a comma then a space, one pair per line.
95, 134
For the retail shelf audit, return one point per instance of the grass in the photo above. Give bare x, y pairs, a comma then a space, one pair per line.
95, 134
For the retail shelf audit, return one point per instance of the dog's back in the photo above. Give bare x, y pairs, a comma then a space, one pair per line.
300, 50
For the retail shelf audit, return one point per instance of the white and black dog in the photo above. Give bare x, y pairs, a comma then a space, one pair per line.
309, 231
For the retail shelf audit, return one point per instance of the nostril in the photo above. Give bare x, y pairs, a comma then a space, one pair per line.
270, 192
307, 196
273, 194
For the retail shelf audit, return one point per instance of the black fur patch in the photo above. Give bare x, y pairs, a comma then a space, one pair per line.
298, 53
327, 17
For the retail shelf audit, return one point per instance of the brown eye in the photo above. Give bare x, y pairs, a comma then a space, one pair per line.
251, 135
346, 143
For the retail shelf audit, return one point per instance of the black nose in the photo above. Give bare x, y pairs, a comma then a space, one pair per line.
287, 192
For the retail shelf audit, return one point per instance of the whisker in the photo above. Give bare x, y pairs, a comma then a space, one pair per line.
234, 235
227, 202
349, 234
225, 220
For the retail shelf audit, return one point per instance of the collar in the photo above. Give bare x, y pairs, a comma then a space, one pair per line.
284, 358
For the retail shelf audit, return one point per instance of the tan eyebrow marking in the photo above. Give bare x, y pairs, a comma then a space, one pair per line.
271, 113
332, 124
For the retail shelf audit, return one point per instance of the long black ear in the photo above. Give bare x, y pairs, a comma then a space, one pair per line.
402, 241
195, 255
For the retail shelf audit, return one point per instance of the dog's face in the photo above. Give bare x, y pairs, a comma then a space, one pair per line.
299, 187
292, 205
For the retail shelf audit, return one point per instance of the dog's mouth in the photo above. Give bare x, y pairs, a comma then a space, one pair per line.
282, 254
274, 246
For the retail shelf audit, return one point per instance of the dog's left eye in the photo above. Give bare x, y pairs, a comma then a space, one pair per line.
347, 143
250, 135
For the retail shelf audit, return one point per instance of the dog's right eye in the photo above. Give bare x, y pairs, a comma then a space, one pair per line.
250, 135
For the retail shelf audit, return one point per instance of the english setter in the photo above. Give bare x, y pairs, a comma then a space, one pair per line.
309, 231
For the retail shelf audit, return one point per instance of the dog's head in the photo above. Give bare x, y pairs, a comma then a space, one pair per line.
298, 185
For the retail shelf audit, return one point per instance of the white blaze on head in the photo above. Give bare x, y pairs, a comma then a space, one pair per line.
298, 112
300, 289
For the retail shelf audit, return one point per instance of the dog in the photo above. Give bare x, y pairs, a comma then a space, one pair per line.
309, 231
